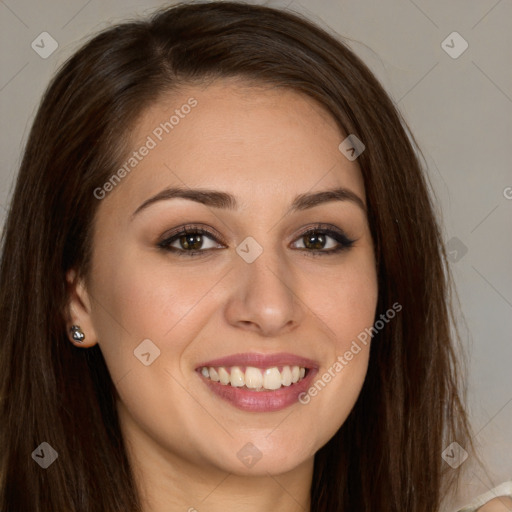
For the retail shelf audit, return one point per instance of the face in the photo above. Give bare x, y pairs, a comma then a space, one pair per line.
217, 312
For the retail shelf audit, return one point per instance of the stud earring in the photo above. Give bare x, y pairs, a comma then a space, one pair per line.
77, 334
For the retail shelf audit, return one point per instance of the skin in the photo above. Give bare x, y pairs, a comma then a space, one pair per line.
265, 146
502, 504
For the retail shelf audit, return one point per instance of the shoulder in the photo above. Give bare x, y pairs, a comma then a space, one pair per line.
501, 504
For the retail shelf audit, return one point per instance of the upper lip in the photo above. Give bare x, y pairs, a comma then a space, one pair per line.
261, 360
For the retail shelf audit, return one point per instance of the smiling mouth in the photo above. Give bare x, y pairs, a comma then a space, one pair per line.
255, 379
260, 383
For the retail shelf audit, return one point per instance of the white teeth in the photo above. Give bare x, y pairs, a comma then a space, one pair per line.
272, 378
295, 374
223, 376
286, 376
237, 377
213, 374
255, 378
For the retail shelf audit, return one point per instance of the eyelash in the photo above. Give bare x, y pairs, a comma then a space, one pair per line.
325, 229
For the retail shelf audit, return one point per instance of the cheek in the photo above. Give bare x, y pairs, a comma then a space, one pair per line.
345, 301
148, 299
358, 307
134, 301
347, 307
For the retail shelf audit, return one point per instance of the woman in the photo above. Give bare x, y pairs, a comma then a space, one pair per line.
229, 284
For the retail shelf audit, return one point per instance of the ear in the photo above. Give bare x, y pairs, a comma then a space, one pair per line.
78, 311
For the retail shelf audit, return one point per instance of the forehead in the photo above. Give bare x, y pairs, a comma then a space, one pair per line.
257, 142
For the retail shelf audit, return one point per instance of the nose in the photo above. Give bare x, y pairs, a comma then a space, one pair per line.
264, 298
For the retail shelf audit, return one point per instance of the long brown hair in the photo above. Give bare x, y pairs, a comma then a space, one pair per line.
387, 455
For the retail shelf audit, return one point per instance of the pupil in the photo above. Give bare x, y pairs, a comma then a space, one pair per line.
191, 241
315, 241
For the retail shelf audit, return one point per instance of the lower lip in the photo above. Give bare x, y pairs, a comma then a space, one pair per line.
261, 401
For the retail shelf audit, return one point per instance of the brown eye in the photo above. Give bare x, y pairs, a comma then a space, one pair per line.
190, 241
324, 240
314, 241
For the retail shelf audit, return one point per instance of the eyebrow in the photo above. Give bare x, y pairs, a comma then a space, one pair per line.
217, 199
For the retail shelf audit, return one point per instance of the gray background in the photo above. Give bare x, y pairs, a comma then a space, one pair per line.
459, 109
